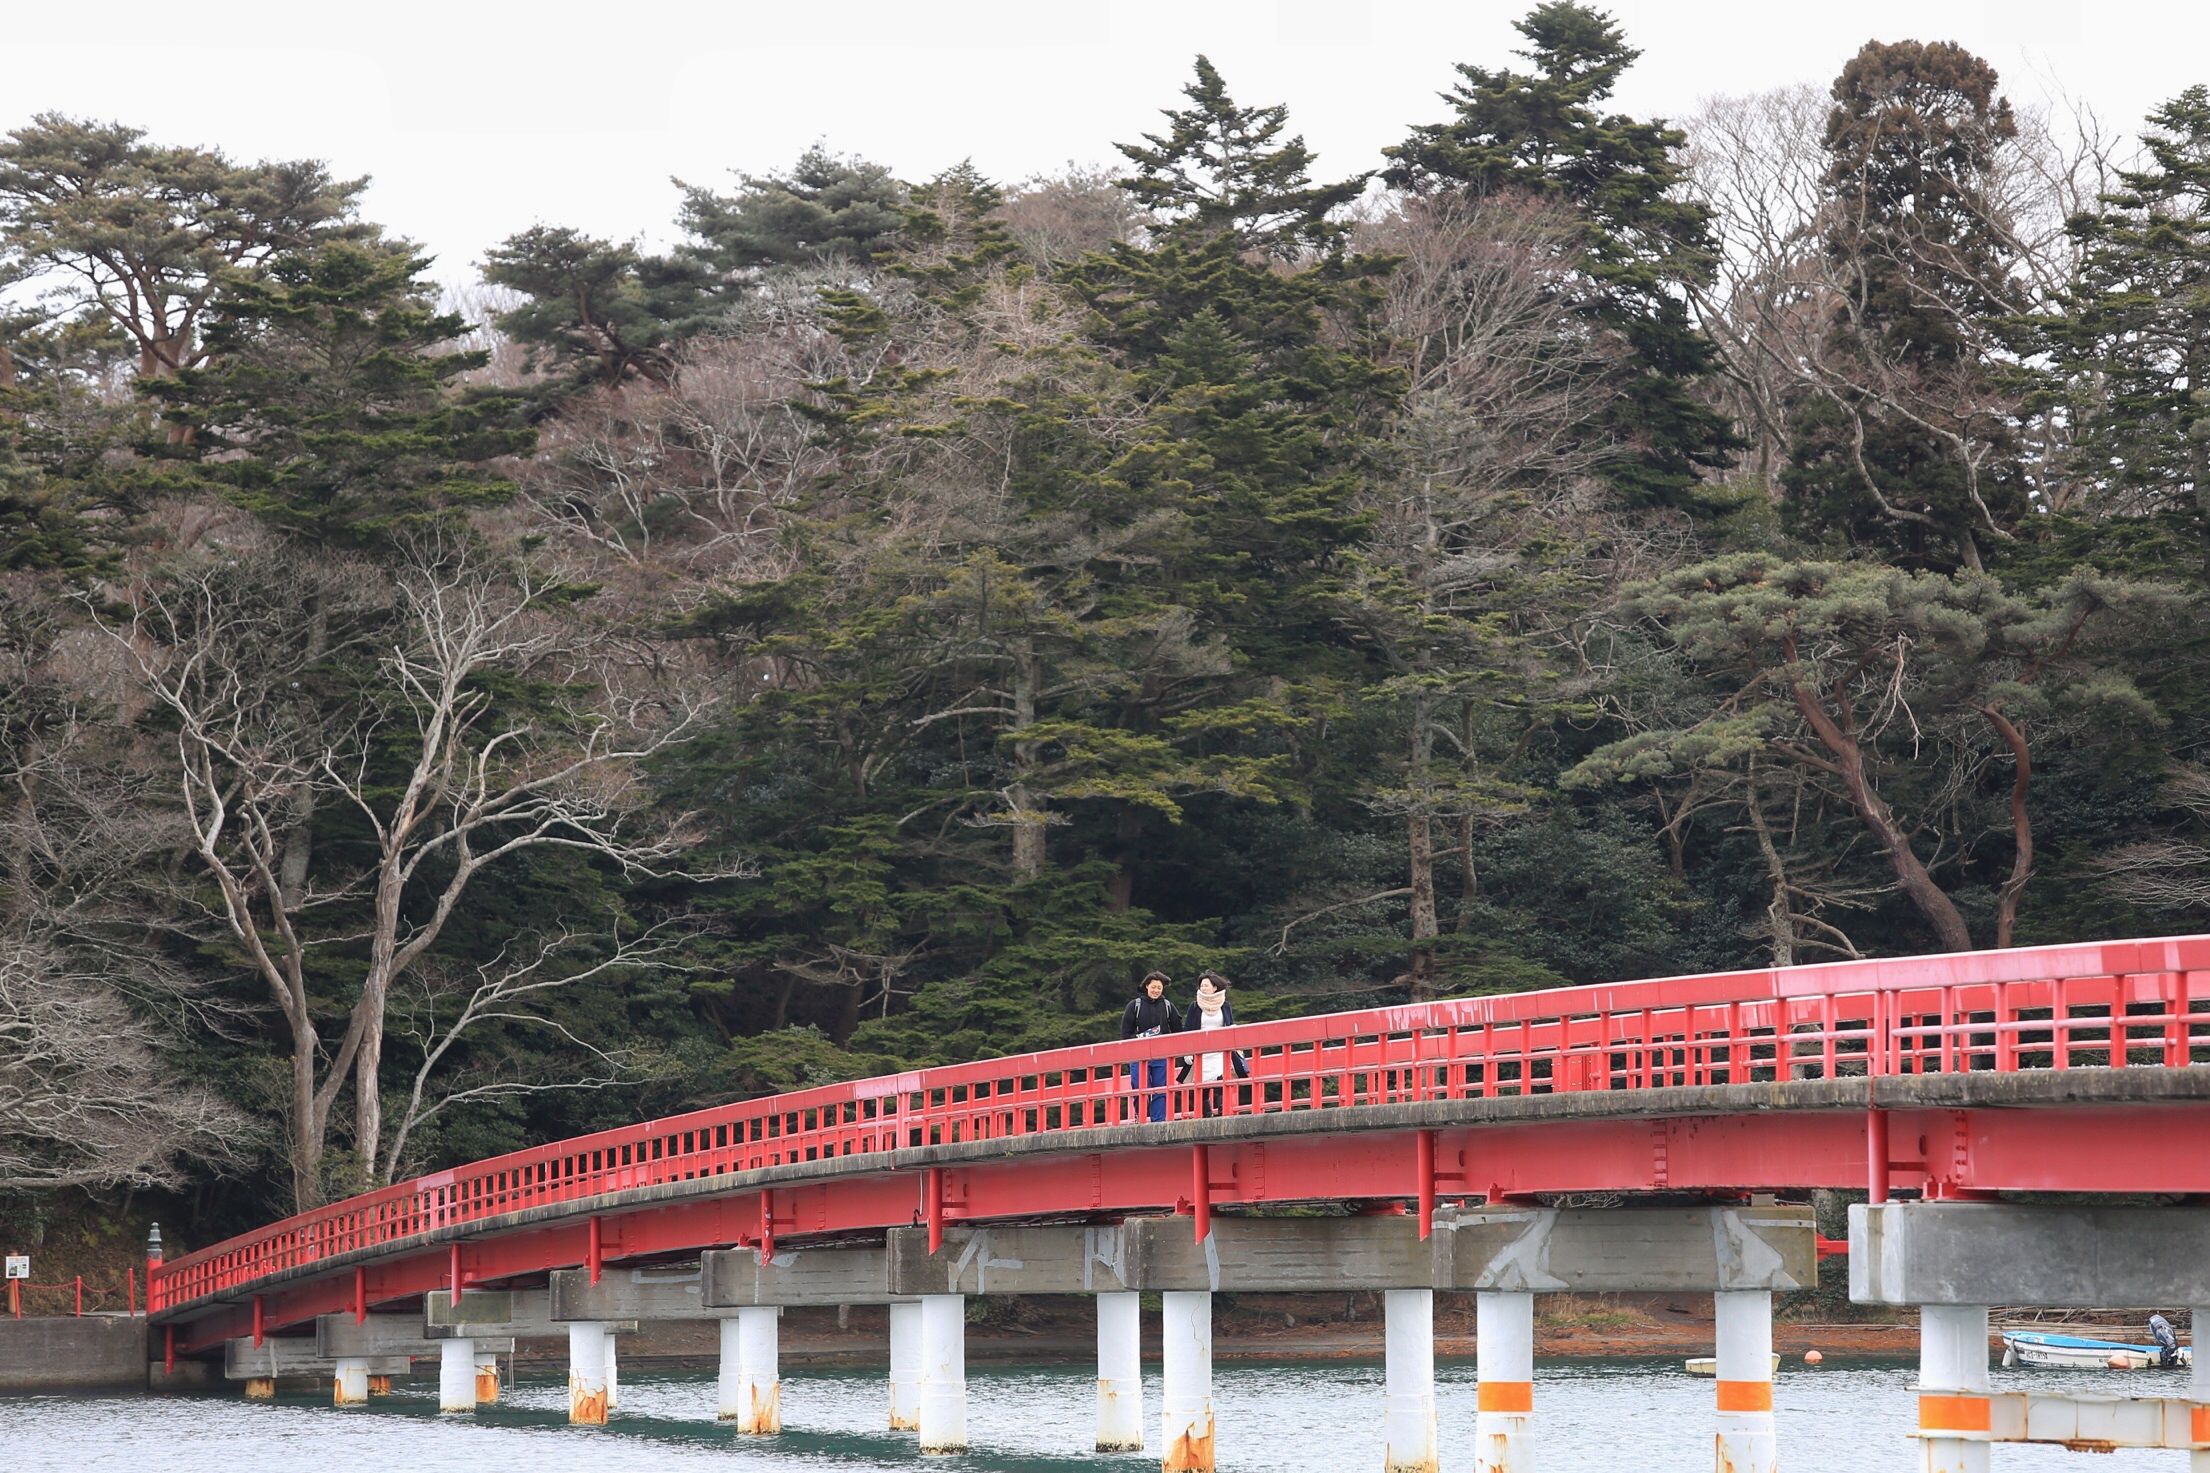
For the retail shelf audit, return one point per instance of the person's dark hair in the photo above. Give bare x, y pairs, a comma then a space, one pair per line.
1151, 977
1214, 978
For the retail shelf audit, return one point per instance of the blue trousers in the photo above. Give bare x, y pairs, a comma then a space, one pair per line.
1154, 1104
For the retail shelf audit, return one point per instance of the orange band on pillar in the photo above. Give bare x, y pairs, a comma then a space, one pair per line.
1505, 1396
1955, 1414
1745, 1396
2201, 1430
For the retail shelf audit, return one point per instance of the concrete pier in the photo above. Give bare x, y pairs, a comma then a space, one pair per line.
751, 1372
1408, 1405
1186, 1418
349, 1386
1119, 1373
1504, 1373
2199, 1381
1744, 1389
1953, 1388
905, 1366
944, 1373
588, 1344
456, 1376
613, 1373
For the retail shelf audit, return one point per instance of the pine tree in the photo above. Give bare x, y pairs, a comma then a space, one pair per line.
1907, 443
332, 408
824, 208
2134, 341
1220, 167
1543, 133
597, 312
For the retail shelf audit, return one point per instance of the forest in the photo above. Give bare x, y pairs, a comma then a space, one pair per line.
876, 629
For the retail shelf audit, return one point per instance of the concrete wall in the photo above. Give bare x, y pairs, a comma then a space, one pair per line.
95, 1353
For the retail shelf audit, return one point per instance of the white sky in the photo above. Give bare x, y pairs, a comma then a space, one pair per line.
479, 119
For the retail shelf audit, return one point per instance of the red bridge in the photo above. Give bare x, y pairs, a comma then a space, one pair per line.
2049, 1069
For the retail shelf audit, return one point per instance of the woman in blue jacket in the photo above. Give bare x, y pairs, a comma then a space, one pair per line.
1149, 1015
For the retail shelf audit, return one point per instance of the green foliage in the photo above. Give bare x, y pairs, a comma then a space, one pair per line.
1900, 449
1542, 133
823, 208
332, 410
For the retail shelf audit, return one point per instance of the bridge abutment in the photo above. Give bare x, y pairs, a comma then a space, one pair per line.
1119, 1373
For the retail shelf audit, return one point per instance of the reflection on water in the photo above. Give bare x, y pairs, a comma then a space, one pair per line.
1311, 1417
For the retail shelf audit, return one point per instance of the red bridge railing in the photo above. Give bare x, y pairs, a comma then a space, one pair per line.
2128, 1004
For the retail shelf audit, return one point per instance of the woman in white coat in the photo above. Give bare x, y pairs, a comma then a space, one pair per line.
1212, 1011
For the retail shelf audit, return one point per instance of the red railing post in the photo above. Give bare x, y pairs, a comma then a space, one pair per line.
130, 1290
80, 1296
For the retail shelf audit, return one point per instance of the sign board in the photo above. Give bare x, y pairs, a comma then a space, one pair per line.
19, 1265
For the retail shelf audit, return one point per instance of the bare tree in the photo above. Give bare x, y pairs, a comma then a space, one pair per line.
514, 991
1493, 450
485, 775
85, 1097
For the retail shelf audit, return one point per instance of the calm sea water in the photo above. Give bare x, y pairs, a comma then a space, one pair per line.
1608, 1416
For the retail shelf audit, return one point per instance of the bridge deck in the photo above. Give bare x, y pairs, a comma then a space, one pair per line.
2050, 1069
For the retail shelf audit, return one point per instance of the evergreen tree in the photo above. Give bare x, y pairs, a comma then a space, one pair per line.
1543, 133
144, 234
2134, 342
824, 208
1906, 442
1219, 167
333, 410
597, 312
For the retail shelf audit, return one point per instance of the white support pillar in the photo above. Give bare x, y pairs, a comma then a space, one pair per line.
2199, 1379
751, 1372
487, 1378
1952, 1387
349, 1388
905, 1366
1186, 1423
456, 1375
1504, 1370
1120, 1373
943, 1373
1408, 1406
1746, 1443
589, 1361
613, 1376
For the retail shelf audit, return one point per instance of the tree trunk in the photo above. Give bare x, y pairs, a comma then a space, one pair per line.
307, 1134
2022, 833
1910, 872
1420, 853
299, 837
1780, 915
1127, 829
1028, 826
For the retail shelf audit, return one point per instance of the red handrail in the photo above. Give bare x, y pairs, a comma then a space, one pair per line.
2121, 1003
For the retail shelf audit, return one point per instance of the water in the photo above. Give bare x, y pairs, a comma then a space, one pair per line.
1599, 1416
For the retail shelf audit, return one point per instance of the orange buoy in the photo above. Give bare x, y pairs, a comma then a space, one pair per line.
1812, 1357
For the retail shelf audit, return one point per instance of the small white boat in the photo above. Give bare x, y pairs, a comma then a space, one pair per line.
1708, 1365
2079, 1353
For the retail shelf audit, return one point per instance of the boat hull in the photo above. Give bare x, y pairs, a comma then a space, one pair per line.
2079, 1353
